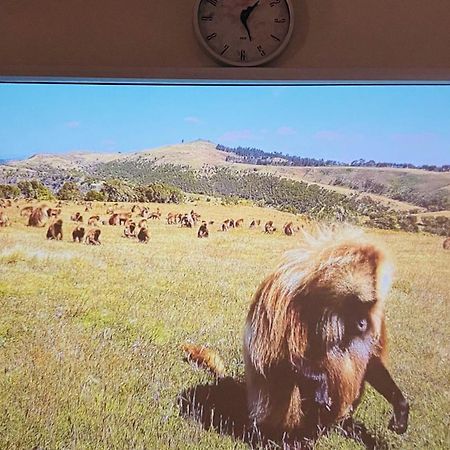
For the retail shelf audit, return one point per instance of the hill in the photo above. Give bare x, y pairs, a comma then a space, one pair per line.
400, 189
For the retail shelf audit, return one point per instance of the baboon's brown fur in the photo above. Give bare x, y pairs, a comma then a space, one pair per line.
446, 244
239, 223
93, 220
78, 234
4, 219
26, 211
203, 230
55, 230
315, 327
255, 223
288, 229
53, 212
38, 217
143, 235
142, 223
269, 228
77, 217
130, 229
93, 236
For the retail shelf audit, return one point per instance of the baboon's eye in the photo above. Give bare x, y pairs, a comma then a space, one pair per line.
361, 325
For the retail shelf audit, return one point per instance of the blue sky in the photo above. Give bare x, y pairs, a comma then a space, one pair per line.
384, 123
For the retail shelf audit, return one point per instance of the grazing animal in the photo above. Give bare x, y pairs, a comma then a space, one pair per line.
77, 217
171, 218
130, 229
225, 225
78, 234
55, 230
26, 211
155, 214
93, 236
203, 230
4, 219
38, 217
93, 220
231, 223
255, 223
186, 221
446, 244
269, 228
136, 208
315, 333
53, 212
239, 223
288, 229
143, 235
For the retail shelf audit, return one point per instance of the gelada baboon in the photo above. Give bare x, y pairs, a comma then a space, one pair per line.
4, 220
203, 230
142, 223
143, 235
38, 217
239, 223
93, 237
269, 228
255, 223
78, 234
93, 220
315, 333
55, 230
446, 244
130, 229
288, 229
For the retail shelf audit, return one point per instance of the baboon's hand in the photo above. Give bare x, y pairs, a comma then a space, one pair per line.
399, 420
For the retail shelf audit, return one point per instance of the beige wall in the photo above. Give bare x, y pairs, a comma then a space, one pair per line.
154, 39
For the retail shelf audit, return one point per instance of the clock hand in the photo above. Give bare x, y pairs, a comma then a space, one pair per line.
245, 14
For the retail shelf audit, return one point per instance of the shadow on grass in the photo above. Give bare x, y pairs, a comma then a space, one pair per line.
223, 407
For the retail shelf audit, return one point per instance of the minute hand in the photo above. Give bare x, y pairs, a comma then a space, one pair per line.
245, 14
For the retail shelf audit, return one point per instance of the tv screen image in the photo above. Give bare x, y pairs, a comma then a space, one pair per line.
224, 266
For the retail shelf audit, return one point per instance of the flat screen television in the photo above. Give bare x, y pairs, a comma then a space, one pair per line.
224, 266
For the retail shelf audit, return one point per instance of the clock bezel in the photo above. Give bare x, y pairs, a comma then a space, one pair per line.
229, 62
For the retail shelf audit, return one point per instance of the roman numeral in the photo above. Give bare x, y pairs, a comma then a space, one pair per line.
211, 36
225, 48
243, 55
275, 37
280, 20
207, 18
213, 2
261, 50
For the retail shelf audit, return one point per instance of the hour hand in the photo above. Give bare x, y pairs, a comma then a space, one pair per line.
245, 14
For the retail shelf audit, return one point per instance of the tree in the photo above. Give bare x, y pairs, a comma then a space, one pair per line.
35, 189
69, 191
95, 196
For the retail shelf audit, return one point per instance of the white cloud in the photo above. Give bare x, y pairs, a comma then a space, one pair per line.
193, 120
286, 131
72, 124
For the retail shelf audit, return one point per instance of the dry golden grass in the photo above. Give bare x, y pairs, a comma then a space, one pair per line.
91, 336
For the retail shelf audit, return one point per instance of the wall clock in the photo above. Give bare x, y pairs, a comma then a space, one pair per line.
243, 32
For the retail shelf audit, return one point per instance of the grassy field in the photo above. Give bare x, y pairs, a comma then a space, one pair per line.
91, 336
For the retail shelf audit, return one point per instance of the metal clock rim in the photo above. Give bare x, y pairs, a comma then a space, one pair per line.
229, 62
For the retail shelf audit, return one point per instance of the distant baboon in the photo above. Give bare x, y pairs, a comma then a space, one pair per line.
288, 229
269, 228
186, 221
53, 212
143, 235
26, 211
38, 217
155, 214
239, 223
211, 222
114, 219
136, 209
446, 244
93, 236
130, 229
145, 213
55, 230
77, 217
255, 223
315, 333
142, 223
109, 210
231, 223
93, 220
4, 220
203, 230
78, 234
195, 216
225, 225
171, 218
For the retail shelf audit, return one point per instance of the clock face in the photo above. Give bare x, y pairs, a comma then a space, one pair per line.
243, 32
